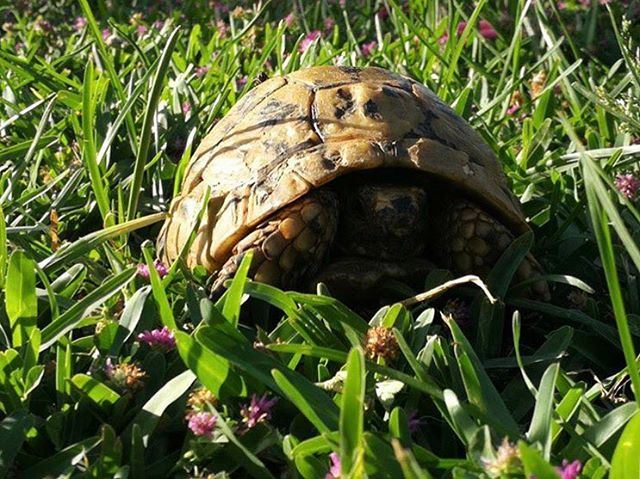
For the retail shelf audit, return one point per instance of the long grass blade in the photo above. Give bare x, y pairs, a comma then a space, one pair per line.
145, 138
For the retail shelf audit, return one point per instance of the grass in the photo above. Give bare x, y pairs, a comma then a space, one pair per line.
102, 105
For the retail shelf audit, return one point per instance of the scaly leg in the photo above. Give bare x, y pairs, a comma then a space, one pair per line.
288, 246
470, 240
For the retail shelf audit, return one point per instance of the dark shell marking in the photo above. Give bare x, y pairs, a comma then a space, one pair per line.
371, 110
346, 106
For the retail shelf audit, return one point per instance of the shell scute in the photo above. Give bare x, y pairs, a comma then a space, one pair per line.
364, 110
223, 128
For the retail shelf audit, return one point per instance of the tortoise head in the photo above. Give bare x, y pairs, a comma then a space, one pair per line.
383, 221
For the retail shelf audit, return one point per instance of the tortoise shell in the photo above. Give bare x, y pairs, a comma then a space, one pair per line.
295, 133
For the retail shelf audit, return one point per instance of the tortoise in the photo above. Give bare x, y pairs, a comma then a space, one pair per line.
348, 176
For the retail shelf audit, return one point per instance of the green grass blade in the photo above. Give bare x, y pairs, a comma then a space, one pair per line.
89, 157
211, 369
33, 147
310, 400
67, 284
600, 222
491, 319
310, 467
224, 340
379, 454
47, 77
515, 326
534, 464
410, 467
62, 463
129, 320
19, 150
566, 409
13, 432
541, 423
462, 423
242, 454
183, 163
601, 431
593, 176
4, 250
340, 356
352, 410
64, 370
149, 416
136, 453
70, 318
97, 393
415, 365
233, 300
562, 315
459, 46
480, 389
20, 300
237, 350
107, 61
273, 296
145, 138
310, 350
626, 458
124, 113
159, 293
85, 244
399, 426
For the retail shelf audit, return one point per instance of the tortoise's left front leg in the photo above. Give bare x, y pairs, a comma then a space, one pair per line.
470, 240
289, 246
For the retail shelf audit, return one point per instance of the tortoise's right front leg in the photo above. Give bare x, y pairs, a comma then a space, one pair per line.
288, 246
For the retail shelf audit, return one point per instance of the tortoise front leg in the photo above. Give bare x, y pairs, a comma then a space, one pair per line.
288, 246
470, 240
